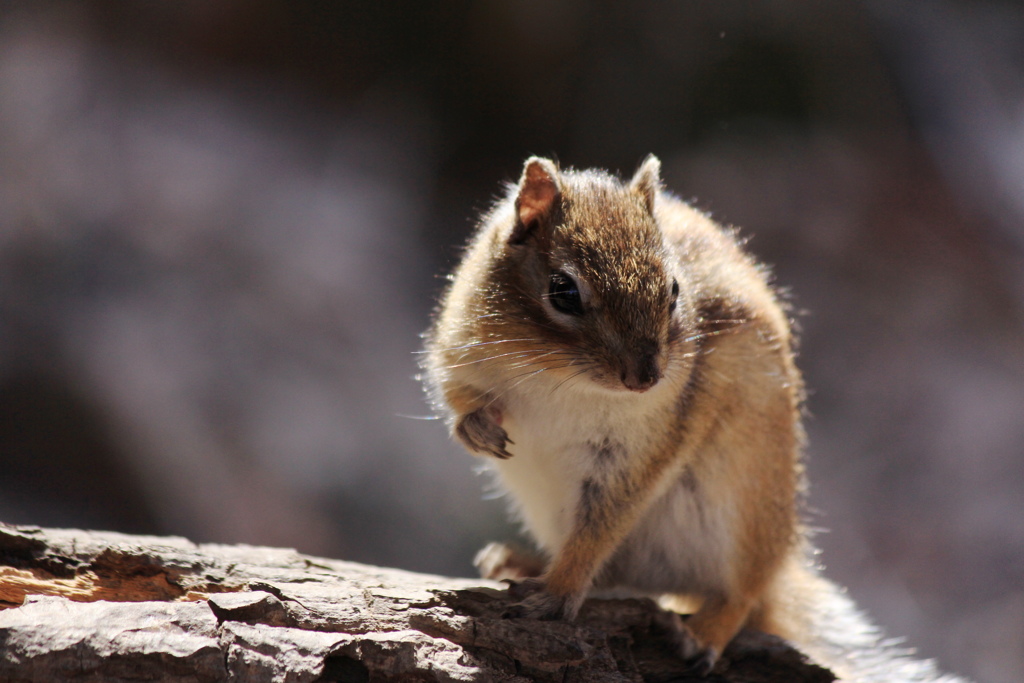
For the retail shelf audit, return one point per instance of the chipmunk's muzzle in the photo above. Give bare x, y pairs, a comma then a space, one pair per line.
642, 369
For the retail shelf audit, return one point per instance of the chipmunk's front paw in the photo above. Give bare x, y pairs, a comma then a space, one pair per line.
481, 431
533, 601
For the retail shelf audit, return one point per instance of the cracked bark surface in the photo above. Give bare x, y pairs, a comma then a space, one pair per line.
97, 606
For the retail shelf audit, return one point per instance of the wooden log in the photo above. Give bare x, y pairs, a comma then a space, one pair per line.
100, 606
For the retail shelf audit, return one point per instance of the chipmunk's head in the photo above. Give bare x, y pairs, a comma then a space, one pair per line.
593, 279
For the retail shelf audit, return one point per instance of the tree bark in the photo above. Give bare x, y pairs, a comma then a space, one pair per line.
98, 606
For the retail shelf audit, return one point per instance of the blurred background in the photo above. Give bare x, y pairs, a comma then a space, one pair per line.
223, 226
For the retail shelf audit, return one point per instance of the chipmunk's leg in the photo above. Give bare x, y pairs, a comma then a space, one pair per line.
606, 511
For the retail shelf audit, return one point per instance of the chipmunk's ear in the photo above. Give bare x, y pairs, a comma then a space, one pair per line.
647, 181
539, 189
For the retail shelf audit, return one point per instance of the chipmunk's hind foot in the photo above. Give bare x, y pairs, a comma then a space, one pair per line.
699, 660
508, 562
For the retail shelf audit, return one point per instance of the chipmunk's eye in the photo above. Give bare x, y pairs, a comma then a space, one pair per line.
564, 294
675, 296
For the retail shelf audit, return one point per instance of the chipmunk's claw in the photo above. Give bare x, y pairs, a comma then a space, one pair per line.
702, 662
481, 432
698, 659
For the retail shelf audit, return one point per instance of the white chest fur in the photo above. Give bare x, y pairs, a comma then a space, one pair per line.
679, 545
555, 437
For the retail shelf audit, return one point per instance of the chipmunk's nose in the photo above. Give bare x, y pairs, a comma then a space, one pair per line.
642, 371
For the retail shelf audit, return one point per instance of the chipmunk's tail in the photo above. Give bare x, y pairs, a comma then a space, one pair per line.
819, 618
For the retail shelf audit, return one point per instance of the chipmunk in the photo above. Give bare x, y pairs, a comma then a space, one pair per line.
628, 369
